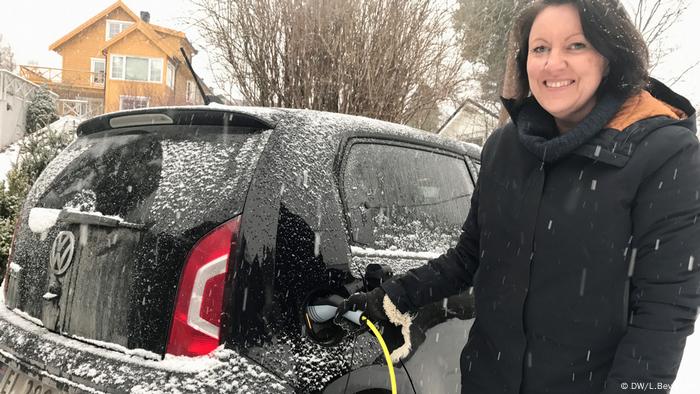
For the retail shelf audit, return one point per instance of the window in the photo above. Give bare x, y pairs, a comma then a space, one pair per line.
117, 66
190, 93
137, 68
170, 76
404, 198
155, 73
115, 27
97, 68
133, 102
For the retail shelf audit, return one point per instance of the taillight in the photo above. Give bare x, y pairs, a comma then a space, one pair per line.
200, 297
6, 281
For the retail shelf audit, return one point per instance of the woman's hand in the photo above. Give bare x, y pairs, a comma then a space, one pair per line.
371, 303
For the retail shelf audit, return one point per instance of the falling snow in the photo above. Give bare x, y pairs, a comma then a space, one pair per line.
633, 259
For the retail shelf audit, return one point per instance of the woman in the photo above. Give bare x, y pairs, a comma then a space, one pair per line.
582, 238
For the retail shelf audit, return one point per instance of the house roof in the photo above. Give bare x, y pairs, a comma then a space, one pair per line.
166, 30
92, 21
149, 30
176, 33
144, 28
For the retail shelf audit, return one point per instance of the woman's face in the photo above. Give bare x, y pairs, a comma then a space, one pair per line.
563, 68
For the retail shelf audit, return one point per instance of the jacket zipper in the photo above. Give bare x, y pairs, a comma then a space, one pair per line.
533, 249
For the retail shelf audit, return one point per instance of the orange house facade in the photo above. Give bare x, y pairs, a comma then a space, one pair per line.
118, 60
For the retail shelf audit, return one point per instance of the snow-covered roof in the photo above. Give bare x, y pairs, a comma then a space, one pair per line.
298, 121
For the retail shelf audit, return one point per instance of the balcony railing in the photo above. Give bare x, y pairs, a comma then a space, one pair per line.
73, 78
80, 108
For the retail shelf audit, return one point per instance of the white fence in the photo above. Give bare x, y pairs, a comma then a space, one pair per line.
15, 95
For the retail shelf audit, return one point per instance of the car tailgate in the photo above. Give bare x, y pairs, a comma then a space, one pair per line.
106, 229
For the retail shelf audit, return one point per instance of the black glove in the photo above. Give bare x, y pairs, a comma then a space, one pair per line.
371, 303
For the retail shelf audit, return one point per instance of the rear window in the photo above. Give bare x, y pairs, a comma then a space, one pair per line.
402, 198
174, 176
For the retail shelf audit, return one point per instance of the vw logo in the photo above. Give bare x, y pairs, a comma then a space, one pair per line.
62, 252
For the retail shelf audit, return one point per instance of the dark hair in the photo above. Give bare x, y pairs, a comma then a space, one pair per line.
608, 28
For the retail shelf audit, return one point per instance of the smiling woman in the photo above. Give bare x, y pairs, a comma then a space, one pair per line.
563, 69
600, 51
581, 237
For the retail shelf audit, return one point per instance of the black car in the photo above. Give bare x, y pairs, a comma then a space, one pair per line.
176, 250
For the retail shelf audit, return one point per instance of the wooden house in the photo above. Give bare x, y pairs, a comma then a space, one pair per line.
118, 60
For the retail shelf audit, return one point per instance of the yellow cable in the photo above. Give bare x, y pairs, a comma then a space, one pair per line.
387, 355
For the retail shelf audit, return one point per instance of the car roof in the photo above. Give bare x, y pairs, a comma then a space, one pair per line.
286, 121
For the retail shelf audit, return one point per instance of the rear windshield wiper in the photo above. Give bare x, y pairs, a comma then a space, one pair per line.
42, 219
77, 217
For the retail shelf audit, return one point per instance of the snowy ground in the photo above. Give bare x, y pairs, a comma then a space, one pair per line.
8, 155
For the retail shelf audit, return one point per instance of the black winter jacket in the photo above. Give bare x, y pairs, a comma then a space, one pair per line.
583, 250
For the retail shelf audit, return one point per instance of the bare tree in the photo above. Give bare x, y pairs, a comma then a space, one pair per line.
654, 18
7, 57
388, 59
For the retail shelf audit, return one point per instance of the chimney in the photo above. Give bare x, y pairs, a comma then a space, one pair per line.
146, 16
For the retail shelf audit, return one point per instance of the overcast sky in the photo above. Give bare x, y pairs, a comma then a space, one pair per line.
30, 26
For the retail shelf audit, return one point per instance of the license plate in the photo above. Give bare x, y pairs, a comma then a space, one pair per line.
17, 382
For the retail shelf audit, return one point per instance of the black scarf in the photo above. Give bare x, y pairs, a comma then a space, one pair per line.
538, 132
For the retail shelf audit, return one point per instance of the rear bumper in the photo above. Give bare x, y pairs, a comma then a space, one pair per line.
77, 367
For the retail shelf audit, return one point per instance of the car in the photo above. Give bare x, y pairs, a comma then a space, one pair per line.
177, 249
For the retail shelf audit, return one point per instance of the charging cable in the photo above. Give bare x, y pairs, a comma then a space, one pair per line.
326, 309
385, 349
